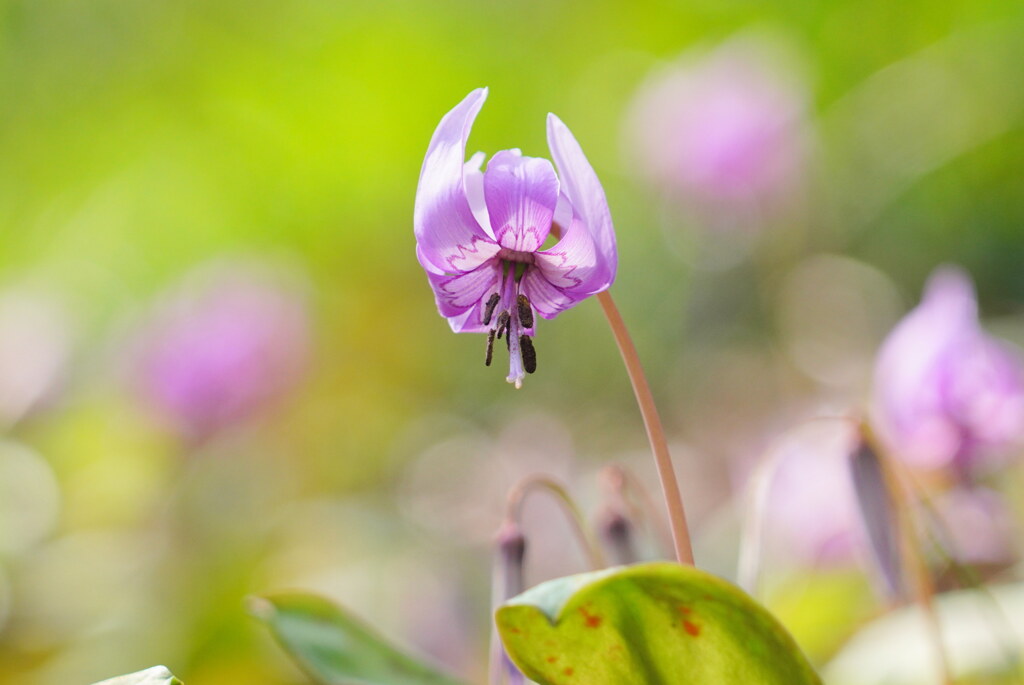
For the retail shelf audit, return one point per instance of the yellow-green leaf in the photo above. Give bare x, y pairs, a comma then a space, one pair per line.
648, 624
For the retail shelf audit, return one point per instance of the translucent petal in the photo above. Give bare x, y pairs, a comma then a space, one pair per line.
448, 237
580, 183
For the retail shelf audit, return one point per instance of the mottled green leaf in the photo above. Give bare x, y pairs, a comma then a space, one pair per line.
335, 648
648, 624
157, 675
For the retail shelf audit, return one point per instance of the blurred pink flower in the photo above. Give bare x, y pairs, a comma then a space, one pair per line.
812, 506
226, 344
977, 525
725, 131
945, 393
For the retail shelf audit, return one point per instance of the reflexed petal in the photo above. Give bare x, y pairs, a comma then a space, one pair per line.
573, 263
548, 300
456, 294
521, 194
448, 237
473, 178
580, 183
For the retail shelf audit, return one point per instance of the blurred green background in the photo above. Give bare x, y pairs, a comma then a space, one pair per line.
140, 141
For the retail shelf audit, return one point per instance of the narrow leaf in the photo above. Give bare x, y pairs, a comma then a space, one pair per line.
157, 675
334, 648
646, 625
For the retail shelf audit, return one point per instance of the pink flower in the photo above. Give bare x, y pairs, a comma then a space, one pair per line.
945, 393
977, 526
725, 131
479, 234
223, 347
812, 505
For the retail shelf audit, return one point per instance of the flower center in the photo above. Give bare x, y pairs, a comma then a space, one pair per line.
512, 315
515, 256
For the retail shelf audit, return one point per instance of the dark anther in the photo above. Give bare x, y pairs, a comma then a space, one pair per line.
492, 302
503, 323
525, 311
529, 354
490, 347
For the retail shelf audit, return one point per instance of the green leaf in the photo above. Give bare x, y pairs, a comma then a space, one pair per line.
648, 624
157, 675
335, 648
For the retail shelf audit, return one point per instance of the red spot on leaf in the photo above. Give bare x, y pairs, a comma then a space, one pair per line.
515, 631
552, 659
686, 610
691, 628
591, 620
568, 671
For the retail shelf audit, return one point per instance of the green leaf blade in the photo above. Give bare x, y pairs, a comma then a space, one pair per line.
648, 624
335, 648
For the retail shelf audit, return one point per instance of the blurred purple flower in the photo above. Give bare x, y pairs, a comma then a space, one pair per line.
945, 393
229, 342
977, 526
812, 503
479, 234
725, 131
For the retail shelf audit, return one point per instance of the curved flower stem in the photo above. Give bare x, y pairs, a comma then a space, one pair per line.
655, 433
588, 540
924, 589
901, 489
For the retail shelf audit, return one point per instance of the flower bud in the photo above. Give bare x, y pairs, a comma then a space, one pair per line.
509, 557
618, 534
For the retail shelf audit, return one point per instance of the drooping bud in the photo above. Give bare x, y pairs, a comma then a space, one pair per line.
511, 553
507, 582
618, 534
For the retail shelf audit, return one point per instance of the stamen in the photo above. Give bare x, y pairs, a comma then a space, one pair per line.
504, 321
492, 302
525, 311
529, 354
490, 347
